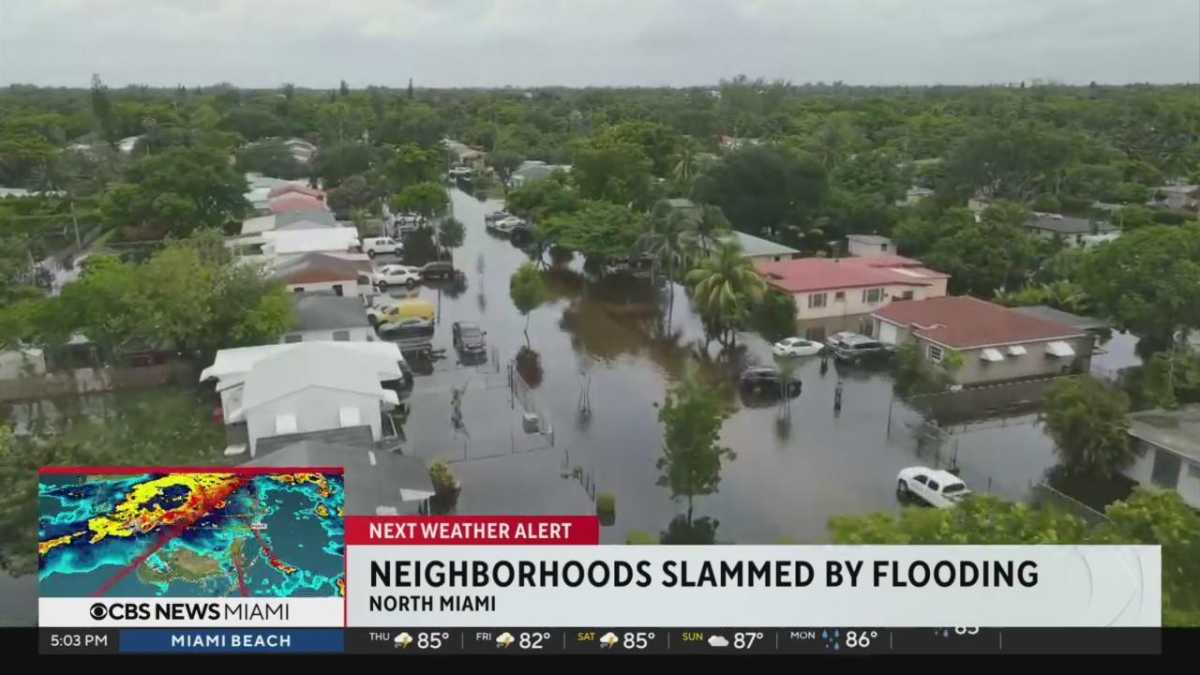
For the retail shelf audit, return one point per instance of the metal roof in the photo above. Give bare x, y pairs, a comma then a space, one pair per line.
753, 246
1177, 431
230, 366
1073, 320
326, 311
311, 365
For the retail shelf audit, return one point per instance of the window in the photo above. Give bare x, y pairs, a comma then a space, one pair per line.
298, 289
816, 300
872, 296
1165, 473
840, 296
337, 290
935, 353
954, 487
341, 336
906, 295
934, 486
294, 337
921, 479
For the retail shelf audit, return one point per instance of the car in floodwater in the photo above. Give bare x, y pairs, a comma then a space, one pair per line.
795, 346
935, 487
766, 381
856, 348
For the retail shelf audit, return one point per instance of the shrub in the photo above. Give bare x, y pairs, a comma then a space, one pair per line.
640, 538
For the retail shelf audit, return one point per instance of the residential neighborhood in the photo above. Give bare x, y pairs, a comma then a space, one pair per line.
751, 311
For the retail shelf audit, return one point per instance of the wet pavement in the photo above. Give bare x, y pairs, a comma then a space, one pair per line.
600, 343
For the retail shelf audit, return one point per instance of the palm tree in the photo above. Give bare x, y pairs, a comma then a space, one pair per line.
665, 245
684, 169
724, 286
710, 228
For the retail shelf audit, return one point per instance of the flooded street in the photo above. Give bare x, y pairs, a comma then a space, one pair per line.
597, 343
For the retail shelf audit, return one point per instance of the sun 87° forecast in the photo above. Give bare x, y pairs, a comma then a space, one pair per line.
183, 534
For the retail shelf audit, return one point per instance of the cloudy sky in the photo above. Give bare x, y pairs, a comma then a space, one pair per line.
596, 42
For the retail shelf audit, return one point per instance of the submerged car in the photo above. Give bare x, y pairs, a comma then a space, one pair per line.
768, 381
856, 348
937, 488
468, 337
795, 346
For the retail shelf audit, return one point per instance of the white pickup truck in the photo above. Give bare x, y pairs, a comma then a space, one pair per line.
940, 489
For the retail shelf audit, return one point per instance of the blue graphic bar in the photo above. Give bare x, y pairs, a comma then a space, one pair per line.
232, 640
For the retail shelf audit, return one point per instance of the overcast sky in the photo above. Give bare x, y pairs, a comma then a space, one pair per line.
263, 43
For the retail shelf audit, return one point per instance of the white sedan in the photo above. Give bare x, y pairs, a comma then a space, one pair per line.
935, 487
397, 275
795, 346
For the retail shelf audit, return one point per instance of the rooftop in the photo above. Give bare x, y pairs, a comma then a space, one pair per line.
312, 268
284, 188
326, 311
294, 201
869, 238
1054, 222
316, 215
757, 246
1174, 430
1075, 321
963, 322
306, 241
312, 365
817, 274
375, 479
230, 366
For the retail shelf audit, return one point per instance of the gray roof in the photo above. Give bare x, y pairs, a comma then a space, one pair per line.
1175, 430
326, 311
1075, 321
373, 477
538, 170
310, 365
318, 267
757, 246
320, 216
869, 238
1053, 222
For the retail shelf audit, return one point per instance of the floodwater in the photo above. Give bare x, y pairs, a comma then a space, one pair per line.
599, 345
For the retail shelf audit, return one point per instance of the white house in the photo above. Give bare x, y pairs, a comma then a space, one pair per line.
278, 243
311, 387
1167, 445
231, 367
346, 274
869, 245
827, 288
323, 316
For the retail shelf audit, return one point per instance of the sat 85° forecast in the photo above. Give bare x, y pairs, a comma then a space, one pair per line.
185, 534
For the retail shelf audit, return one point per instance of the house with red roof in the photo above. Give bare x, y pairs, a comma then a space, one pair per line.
994, 343
825, 288
295, 201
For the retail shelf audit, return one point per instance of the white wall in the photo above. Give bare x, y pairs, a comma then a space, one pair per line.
861, 249
315, 409
15, 364
1142, 470
359, 334
853, 303
350, 287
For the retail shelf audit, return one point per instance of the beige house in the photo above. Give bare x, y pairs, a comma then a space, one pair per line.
841, 287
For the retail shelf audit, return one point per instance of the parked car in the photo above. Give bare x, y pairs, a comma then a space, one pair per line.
856, 348
766, 380
935, 487
460, 173
495, 216
396, 275
439, 269
373, 246
468, 337
795, 346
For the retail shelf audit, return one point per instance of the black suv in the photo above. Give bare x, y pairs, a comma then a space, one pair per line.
765, 380
468, 337
438, 269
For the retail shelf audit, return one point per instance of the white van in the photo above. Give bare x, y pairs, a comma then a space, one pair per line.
374, 245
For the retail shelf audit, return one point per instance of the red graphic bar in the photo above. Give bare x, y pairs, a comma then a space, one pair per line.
134, 470
473, 530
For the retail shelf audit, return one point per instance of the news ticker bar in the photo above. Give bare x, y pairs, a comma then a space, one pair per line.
599, 640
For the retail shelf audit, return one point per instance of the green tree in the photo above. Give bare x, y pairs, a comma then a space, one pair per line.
505, 162
528, 291
1148, 281
692, 416
613, 170
775, 317
102, 110
544, 198
428, 200
599, 230
762, 188
451, 234
270, 158
411, 164
353, 193
725, 286
415, 123
1089, 424
252, 122
176, 192
335, 163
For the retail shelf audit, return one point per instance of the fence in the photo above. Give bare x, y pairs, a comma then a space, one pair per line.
522, 394
1046, 495
90, 380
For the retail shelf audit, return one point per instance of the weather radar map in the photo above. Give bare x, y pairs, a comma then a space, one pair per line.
191, 534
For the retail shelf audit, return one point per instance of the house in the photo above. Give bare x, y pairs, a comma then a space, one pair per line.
230, 367
995, 343
465, 155
323, 272
302, 150
377, 482
841, 287
1098, 328
298, 188
291, 220
758, 249
532, 171
279, 243
259, 192
325, 316
1167, 448
313, 386
915, 195
869, 245
294, 201
1072, 230
1181, 199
